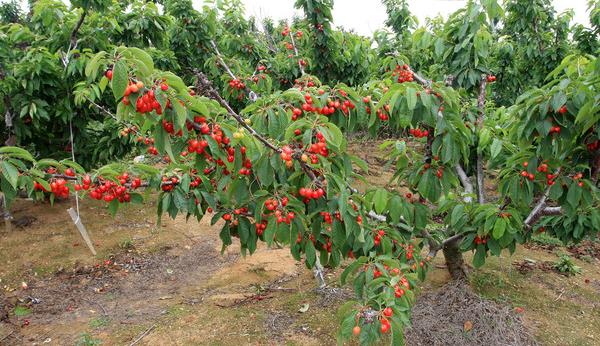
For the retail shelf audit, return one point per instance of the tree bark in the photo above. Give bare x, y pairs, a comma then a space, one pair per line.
454, 260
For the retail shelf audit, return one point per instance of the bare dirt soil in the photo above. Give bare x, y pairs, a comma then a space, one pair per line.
169, 284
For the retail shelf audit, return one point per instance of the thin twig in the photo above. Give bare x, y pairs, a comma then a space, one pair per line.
6, 337
296, 52
95, 303
107, 112
251, 94
143, 335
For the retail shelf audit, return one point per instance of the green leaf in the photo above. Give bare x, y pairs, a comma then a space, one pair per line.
349, 270
21, 311
380, 200
496, 147
120, 80
310, 252
574, 195
10, 172
558, 100
479, 258
91, 70
457, 214
113, 206
499, 228
16, 152
181, 112
411, 98
143, 57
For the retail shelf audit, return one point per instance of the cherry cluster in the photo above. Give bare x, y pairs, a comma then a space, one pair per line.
578, 176
230, 216
147, 103
286, 156
280, 212
327, 218
382, 115
480, 240
309, 193
404, 74
378, 235
304, 82
593, 146
260, 227
491, 78
562, 110
59, 188
109, 190
237, 84
418, 133
319, 148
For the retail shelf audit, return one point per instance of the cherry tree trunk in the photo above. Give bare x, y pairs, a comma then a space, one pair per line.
454, 261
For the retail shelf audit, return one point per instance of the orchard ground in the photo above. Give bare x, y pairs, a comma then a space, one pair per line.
170, 283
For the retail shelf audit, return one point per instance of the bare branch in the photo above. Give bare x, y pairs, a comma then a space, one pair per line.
540, 208
595, 176
466, 182
76, 30
480, 118
296, 53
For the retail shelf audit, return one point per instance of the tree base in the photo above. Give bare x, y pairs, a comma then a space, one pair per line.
454, 261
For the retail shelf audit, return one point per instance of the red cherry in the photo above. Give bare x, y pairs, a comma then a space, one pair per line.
388, 312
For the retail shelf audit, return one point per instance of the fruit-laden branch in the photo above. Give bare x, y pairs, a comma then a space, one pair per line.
251, 94
211, 92
296, 53
464, 179
540, 208
480, 119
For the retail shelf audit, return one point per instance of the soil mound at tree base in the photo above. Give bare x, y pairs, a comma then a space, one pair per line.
455, 315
